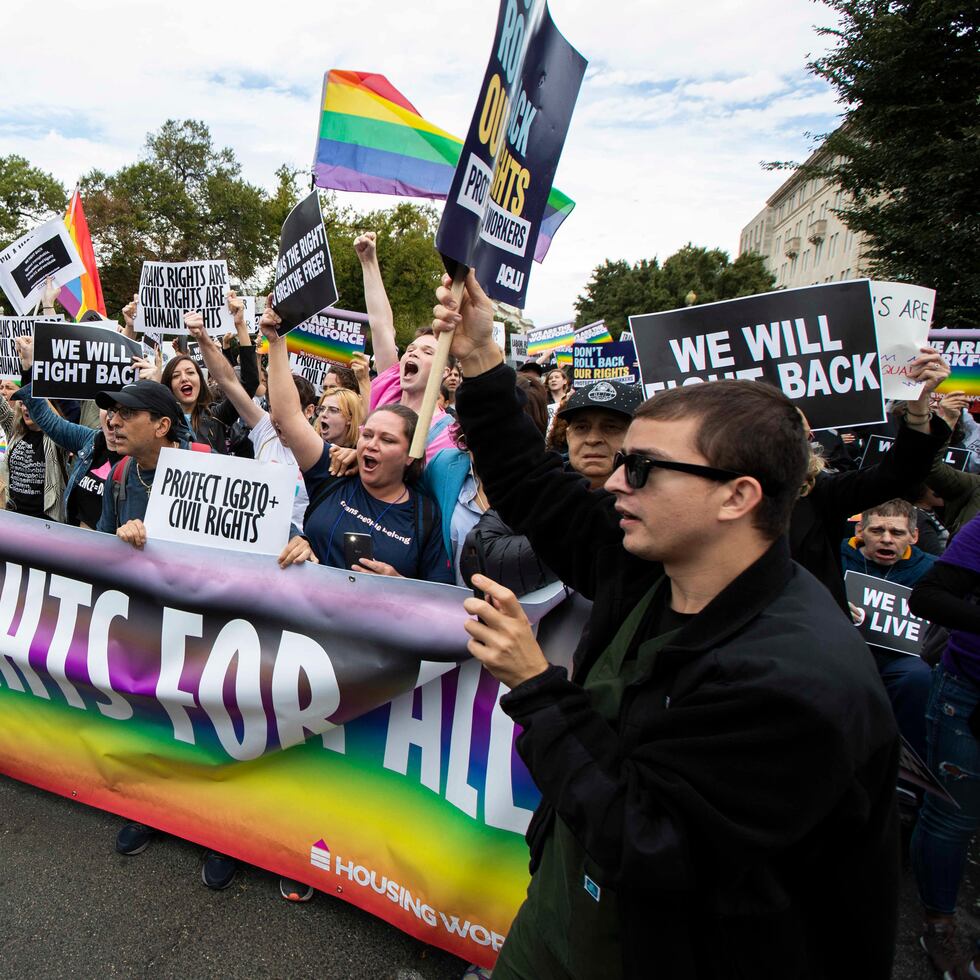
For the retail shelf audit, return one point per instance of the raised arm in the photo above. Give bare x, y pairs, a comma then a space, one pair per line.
226, 410
287, 412
378, 307
223, 372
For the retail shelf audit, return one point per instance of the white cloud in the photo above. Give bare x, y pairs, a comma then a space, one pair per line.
679, 104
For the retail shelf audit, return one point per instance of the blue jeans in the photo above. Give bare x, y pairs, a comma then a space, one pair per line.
908, 681
943, 833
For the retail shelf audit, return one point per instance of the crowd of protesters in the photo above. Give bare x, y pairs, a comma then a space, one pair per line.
752, 828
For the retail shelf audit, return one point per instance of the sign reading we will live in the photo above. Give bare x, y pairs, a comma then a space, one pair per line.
887, 621
817, 344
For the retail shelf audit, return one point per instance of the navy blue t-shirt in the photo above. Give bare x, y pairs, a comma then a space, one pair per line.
394, 527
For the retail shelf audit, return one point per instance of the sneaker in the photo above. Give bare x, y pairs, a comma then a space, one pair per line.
938, 939
134, 838
218, 871
294, 891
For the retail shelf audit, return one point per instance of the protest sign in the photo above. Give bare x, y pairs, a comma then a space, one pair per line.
816, 343
902, 317
308, 366
304, 273
328, 338
887, 622
879, 445
912, 769
284, 698
12, 327
626, 335
254, 308
221, 501
168, 290
518, 346
604, 362
593, 333
194, 353
78, 360
26, 263
493, 212
500, 334
961, 351
543, 340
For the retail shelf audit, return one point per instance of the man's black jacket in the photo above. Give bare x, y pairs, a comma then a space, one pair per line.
743, 806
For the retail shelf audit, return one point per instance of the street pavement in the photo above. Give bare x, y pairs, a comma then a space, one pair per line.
71, 907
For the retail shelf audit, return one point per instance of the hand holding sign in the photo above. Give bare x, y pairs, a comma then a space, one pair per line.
25, 351
470, 321
952, 405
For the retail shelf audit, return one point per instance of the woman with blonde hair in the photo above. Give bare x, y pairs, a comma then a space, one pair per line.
339, 416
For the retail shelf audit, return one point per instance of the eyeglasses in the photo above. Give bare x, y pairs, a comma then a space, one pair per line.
638, 469
126, 414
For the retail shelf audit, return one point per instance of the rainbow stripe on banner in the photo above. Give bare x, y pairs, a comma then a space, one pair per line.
334, 731
544, 339
372, 139
961, 350
563, 356
85, 293
325, 336
3, 442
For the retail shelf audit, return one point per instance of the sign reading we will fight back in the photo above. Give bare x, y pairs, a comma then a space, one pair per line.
817, 344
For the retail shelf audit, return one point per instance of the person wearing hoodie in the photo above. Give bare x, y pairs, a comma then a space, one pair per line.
884, 546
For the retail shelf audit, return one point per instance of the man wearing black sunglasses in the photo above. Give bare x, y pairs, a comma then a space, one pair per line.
717, 774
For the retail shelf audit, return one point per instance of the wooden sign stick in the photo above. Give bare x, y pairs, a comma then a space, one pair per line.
439, 360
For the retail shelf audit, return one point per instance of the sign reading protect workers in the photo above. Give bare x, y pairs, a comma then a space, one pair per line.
221, 501
817, 344
507, 165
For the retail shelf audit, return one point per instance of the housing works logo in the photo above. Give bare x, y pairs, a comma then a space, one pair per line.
397, 894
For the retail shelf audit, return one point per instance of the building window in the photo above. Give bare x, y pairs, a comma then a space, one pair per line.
817, 249
806, 260
779, 242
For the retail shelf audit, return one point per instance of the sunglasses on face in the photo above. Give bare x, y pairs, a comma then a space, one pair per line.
126, 414
638, 469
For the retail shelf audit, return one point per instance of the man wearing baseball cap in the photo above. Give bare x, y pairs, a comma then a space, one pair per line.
145, 418
598, 417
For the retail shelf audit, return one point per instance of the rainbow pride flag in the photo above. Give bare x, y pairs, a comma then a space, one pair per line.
373, 140
85, 293
326, 336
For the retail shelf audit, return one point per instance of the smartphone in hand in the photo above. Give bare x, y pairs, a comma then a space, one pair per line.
476, 555
356, 547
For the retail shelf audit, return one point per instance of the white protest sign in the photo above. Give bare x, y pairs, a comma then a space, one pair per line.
903, 314
12, 327
221, 502
311, 367
500, 334
26, 263
518, 346
168, 290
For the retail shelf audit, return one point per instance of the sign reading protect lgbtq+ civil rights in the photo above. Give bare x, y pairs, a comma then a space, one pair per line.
221, 501
887, 621
507, 165
168, 290
26, 264
817, 344
304, 273
78, 360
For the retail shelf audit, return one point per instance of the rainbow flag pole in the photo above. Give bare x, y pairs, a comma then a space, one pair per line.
85, 293
373, 140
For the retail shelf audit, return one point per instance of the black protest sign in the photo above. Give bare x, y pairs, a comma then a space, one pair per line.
304, 273
168, 290
604, 362
26, 264
879, 445
912, 769
817, 344
507, 165
78, 360
887, 620
12, 327
194, 353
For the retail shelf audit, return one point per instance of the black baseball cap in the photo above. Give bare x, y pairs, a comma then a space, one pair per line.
533, 367
150, 396
624, 399
20, 395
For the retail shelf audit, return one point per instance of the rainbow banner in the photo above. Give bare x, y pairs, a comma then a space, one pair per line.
328, 336
373, 140
563, 356
961, 350
85, 293
561, 337
325, 726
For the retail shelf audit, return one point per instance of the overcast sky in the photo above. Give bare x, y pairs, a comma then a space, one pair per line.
680, 103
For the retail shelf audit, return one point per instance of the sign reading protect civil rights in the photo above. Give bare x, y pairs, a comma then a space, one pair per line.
221, 502
26, 264
12, 327
78, 360
887, 621
816, 343
168, 290
507, 165
304, 272
604, 362
879, 445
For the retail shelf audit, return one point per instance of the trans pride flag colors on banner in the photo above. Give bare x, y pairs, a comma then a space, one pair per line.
85, 293
372, 139
319, 724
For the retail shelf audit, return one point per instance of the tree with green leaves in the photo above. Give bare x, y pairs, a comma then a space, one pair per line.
185, 200
28, 196
907, 73
692, 274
